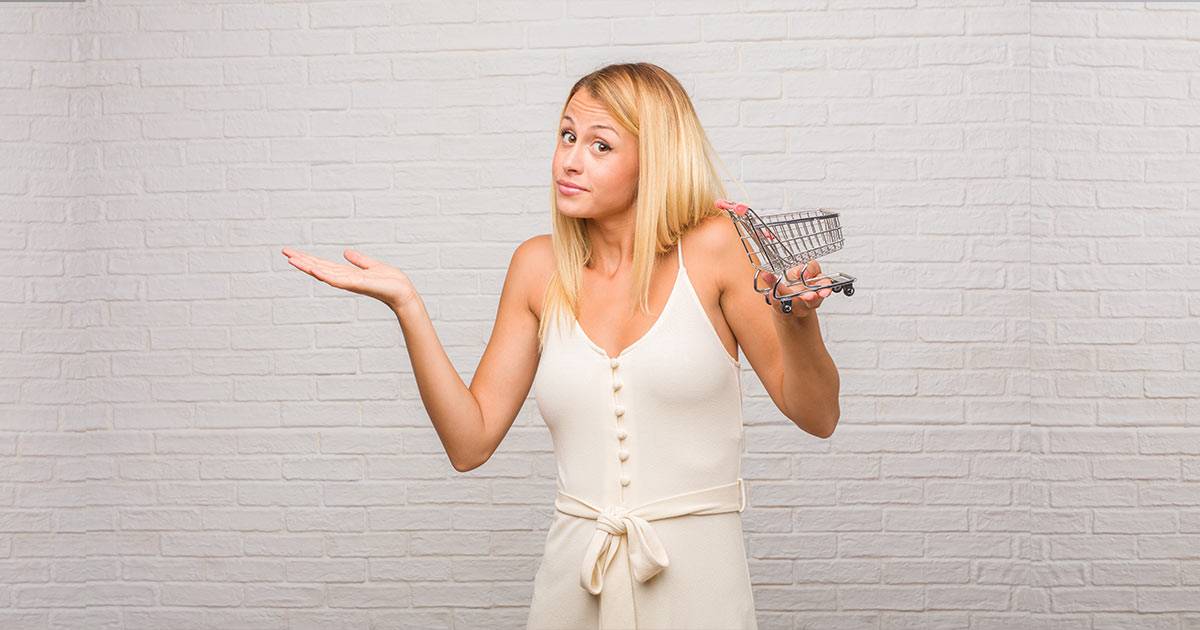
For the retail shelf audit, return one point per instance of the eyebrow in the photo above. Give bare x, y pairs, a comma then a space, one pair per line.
593, 126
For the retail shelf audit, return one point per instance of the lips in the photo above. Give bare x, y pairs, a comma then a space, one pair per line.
566, 184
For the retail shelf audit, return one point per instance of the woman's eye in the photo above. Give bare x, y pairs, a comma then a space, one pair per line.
606, 149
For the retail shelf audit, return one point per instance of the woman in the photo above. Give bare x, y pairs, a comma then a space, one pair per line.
633, 355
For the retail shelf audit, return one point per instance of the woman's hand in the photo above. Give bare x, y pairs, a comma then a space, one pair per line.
809, 300
366, 276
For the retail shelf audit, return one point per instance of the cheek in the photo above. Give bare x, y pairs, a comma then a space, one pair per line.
619, 180
629, 177
623, 185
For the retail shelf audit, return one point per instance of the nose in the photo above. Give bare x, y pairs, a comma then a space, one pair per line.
570, 159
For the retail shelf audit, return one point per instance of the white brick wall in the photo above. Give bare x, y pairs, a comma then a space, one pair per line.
1115, 501
196, 435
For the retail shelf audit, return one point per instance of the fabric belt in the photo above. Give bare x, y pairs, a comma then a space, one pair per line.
645, 553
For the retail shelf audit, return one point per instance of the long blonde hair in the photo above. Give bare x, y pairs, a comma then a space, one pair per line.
677, 180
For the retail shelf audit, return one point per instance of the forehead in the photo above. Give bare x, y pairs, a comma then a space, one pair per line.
589, 115
585, 110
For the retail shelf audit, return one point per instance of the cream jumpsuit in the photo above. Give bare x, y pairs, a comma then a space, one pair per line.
647, 530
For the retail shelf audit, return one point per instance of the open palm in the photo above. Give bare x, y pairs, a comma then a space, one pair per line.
366, 275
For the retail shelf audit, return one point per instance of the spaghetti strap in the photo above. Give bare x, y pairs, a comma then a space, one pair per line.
679, 246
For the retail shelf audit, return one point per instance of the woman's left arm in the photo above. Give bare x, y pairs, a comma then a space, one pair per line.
811, 384
785, 349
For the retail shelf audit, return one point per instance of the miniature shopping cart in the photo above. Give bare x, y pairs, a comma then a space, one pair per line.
778, 242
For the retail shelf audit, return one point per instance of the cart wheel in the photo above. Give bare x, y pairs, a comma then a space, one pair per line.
849, 290
787, 306
837, 289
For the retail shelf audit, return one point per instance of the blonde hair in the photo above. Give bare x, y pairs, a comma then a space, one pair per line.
677, 180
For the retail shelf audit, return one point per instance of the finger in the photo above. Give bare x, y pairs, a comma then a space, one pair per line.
824, 282
296, 262
291, 252
304, 263
795, 276
308, 267
785, 287
335, 270
781, 289
295, 254
807, 299
340, 276
798, 288
320, 265
321, 269
302, 258
788, 274
359, 259
812, 270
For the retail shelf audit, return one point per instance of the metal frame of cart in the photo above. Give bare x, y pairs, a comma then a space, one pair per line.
777, 242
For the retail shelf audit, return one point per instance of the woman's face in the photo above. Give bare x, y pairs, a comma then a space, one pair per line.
593, 152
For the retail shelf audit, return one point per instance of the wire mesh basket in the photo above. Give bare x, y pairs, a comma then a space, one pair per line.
778, 242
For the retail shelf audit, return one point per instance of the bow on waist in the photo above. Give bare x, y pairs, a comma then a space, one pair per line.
647, 556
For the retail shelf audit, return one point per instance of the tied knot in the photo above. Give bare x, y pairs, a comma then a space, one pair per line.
647, 556
613, 520
626, 531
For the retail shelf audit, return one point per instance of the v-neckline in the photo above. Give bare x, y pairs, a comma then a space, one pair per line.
666, 307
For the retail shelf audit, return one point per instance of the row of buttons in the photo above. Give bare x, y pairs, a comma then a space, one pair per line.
619, 410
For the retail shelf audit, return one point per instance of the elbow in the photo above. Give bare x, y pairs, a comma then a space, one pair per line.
819, 428
827, 430
468, 463
829, 421
470, 455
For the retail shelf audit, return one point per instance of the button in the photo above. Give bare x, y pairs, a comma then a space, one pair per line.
613, 363
619, 410
624, 480
623, 454
616, 384
621, 434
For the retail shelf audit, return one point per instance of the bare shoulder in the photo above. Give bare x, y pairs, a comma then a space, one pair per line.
715, 242
534, 247
532, 265
716, 234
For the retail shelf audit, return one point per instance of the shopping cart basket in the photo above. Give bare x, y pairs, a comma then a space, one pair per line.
778, 242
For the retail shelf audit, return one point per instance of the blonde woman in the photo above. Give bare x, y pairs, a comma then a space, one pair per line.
626, 320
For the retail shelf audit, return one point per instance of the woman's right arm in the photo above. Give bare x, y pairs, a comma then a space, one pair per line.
472, 421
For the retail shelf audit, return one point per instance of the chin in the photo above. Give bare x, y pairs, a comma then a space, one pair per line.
572, 210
